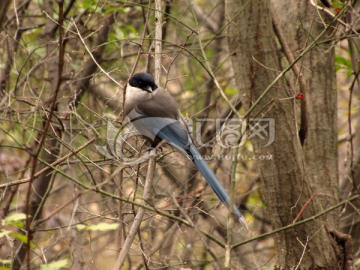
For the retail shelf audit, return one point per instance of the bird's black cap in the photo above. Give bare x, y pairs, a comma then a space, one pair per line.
143, 81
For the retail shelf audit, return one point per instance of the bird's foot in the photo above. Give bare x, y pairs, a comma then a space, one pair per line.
152, 152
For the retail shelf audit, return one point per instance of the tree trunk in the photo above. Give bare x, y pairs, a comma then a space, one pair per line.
296, 173
351, 181
41, 186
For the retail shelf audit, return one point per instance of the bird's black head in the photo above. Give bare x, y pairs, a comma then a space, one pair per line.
143, 81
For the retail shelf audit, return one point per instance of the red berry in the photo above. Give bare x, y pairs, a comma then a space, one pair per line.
337, 10
300, 96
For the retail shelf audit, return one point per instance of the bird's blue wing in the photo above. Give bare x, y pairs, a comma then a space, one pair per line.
168, 129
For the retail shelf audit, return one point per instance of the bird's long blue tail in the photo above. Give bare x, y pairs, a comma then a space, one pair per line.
171, 131
214, 183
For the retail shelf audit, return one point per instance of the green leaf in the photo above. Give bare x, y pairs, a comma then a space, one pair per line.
337, 3
230, 91
103, 226
4, 232
357, 262
22, 238
55, 265
13, 218
5, 262
113, 9
18, 224
343, 63
80, 226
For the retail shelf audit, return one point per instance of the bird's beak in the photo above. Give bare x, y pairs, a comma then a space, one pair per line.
149, 89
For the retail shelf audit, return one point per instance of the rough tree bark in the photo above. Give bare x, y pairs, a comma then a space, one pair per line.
297, 172
3, 9
351, 182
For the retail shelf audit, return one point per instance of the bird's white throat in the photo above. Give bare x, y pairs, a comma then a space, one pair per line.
134, 94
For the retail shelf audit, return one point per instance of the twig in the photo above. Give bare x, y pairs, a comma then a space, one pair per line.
230, 221
186, 216
303, 253
289, 55
328, 12
60, 160
56, 211
211, 73
208, 21
228, 23
139, 216
15, 42
152, 161
293, 225
30, 215
140, 47
180, 21
350, 153
158, 40
305, 205
308, 238
93, 58
176, 55
157, 244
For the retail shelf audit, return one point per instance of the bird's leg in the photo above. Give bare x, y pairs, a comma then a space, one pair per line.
155, 148
152, 152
